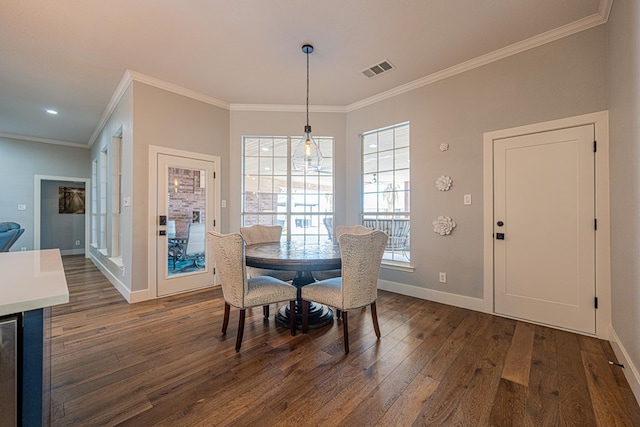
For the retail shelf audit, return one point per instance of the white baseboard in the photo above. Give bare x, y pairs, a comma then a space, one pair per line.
124, 291
476, 304
72, 252
143, 295
630, 370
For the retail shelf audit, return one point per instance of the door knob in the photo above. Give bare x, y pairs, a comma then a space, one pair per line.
500, 223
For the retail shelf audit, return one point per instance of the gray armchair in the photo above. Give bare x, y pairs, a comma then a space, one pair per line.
9, 233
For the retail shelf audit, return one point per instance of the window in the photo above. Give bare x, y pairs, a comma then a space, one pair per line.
274, 194
116, 196
102, 200
386, 187
94, 203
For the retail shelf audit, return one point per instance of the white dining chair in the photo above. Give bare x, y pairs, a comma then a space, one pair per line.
358, 285
240, 292
265, 234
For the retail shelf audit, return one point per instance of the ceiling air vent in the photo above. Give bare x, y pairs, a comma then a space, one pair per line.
376, 70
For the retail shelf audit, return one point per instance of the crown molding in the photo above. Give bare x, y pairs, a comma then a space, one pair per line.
42, 140
552, 35
170, 87
113, 103
288, 108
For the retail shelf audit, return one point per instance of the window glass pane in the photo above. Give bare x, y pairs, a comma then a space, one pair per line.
326, 147
402, 158
266, 165
386, 188
370, 163
402, 137
251, 147
403, 178
251, 166
280, 147
370, 202
280, 165
385, 140
370, 143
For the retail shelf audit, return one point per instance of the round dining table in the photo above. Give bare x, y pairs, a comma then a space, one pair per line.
304, 259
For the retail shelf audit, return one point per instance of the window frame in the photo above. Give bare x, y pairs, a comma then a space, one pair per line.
298, 219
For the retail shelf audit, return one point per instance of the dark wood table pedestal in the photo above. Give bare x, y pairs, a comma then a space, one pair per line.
319, 315
304, 259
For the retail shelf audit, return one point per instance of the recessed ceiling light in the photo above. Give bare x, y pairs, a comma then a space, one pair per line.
52, 112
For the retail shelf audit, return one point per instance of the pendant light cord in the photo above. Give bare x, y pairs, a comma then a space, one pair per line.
308, 88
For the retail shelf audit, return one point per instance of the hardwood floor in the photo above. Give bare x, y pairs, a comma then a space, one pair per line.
165, 362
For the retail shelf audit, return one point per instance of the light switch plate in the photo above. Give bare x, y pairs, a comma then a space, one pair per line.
22, 207
467, 199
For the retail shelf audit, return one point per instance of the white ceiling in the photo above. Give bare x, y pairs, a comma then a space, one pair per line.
71, 55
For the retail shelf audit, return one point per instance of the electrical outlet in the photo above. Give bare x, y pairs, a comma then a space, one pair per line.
443, 277
23, 249
77, 242
467, 199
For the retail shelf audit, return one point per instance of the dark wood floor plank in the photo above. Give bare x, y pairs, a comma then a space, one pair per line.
542, 393
165, 362
476, 402
509, 404
625, 391
608, 404
518, 362
573, 391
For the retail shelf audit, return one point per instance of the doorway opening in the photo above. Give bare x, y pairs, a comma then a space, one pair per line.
61, 215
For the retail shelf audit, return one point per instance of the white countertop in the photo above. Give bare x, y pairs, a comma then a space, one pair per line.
30, 280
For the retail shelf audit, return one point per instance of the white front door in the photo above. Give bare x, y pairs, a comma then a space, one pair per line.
544, 234
185, 212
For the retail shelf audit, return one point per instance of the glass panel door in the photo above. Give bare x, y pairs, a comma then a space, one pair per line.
184, 217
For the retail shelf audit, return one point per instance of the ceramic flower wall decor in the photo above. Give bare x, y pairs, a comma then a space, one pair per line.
443, 183
443, 225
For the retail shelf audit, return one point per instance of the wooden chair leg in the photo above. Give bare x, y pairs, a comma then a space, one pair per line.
265, 311
305, 316
292, 317
225, 320
345, 328
374, 317
338, 313
240, 330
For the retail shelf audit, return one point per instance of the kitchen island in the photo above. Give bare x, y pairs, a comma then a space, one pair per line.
31, 282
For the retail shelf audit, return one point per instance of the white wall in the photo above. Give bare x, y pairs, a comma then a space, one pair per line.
561, 79
624, 99
120, 122
21, 161
166, 119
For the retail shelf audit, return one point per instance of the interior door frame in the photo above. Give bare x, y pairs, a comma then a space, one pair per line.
37, 207
600, 120
154, 151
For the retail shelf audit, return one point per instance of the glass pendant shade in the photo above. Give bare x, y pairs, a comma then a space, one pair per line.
307, 156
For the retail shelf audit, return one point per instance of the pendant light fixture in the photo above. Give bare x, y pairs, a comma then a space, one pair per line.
307, 156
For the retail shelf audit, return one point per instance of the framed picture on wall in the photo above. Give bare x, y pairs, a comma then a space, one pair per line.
71, 200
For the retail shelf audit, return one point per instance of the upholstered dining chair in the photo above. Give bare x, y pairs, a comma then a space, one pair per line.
340, 230
195, 246
265, 234
240, 292
358, 285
